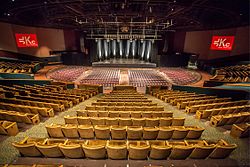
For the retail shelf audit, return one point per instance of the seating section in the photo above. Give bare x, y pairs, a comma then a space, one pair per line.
113, 149
181, 76
141, 78
66, 74
238, 73
102, 76
24, 104
240, 130
17, 67
220, 111
8, 128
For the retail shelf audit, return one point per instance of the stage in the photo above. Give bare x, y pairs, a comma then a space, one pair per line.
127, 63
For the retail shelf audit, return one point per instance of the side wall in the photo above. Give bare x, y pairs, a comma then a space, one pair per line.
48, 39
199, 42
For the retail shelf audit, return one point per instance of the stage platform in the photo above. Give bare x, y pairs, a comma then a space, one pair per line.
126, 63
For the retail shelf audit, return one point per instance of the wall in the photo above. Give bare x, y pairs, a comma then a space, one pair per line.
48, 39
199, 42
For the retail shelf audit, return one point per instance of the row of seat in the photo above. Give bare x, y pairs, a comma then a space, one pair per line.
16, 116
124, 114
240, 130
168, 98
202, 101
124, 132
124, 104
221, 111
123, 100
85, 93
138, 150
181, 103
228, 119
48, 92
125, 108
8, 128
54, 106
45, 112
175, 101
148, 122
65, 103
194, 108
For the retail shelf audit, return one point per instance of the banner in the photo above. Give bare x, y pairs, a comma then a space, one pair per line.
26, 40
222, 43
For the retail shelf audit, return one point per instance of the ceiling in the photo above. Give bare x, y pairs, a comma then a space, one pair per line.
127, 16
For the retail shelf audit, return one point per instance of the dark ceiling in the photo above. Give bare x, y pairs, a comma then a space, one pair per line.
127, 15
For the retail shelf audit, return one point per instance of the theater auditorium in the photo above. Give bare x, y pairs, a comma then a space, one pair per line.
124, 83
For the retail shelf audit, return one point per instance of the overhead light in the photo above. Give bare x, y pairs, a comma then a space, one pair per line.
150, 9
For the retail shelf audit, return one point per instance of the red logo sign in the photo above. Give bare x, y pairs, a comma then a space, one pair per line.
222, 43
26, 40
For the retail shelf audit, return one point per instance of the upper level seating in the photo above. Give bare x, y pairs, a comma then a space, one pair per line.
141, 78
180, 76
237, 73
67, 74
16, 67
106, 77
140, 150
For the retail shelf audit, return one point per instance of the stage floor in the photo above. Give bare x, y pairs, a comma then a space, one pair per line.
132, 63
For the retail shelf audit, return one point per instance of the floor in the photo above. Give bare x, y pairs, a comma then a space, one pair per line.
240, 157
41, 75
